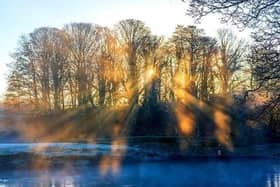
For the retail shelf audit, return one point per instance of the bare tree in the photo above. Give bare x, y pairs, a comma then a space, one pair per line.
231, 52
209, 51
82, 45
261, 16
108, 66
187, 44
40, 40
133, 34
250, 13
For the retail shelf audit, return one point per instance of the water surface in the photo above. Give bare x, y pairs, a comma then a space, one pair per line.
112, 172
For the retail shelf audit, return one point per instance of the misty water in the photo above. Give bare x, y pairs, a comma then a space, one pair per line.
192, 172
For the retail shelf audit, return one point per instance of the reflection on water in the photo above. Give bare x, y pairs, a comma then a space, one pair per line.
273, 179
191, 173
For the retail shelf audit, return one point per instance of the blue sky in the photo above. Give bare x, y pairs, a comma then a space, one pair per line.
18, 17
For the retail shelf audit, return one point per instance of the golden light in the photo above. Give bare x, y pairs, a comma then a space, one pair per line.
186, 121
223, 130
150, 73
112, 163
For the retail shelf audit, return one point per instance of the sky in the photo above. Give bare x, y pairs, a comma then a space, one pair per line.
19, 17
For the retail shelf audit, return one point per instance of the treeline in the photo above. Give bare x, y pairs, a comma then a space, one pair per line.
188, 85
88, 65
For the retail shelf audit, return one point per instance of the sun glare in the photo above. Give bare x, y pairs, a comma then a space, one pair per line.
150, 73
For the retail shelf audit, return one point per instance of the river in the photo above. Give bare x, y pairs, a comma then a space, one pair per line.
111, 171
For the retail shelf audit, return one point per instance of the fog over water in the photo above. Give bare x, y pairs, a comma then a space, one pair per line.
193, 172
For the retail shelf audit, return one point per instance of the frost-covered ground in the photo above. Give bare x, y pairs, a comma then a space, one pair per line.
61, 149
